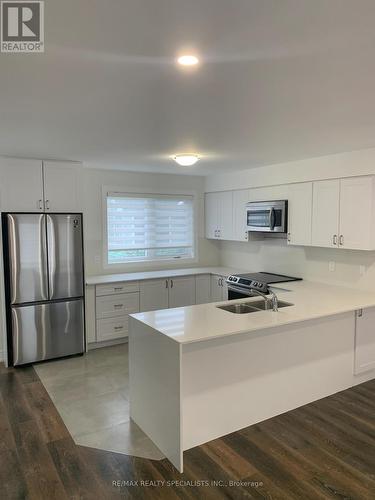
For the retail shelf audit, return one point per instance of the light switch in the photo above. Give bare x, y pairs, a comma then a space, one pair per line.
332, 266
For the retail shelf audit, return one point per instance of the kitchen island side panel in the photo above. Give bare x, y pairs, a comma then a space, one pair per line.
231, 383
155, 392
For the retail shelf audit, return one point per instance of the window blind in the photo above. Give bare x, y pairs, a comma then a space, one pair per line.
149, 227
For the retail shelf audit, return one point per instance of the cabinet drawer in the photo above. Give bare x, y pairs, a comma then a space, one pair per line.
112, 328
115, 288
117, 305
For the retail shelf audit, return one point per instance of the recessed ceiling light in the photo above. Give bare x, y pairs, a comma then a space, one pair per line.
186, 160
188, 60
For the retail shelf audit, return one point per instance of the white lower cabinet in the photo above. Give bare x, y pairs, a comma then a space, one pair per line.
113, 309
219, 289
111, 328
182, 291
203, 289
169, 292
117, 305
153, 294
364, 354
114, 302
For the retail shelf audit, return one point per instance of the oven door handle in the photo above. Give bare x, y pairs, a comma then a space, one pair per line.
272, 219
240, 290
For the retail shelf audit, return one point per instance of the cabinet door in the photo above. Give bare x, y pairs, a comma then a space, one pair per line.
300, 202
182, 291
240, 199
212, 215
203, 289
153, 294
216, 288
325, 218
364, 354
61, 186
356, 213
224, 288
226, 215
21, 185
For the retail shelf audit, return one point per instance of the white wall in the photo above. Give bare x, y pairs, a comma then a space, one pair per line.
352, 268
94, 179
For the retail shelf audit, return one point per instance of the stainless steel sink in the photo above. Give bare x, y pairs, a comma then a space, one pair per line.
251, 307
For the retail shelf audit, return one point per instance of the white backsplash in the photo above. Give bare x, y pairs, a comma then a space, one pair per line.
351, 268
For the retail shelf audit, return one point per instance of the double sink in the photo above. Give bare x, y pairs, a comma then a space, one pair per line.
251, 307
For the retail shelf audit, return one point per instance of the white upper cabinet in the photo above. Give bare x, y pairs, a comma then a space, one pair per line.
182, 291
343, 213
300, 213
21, 188
33, 185
61, 186
356, 225
240, 199
325, 214
212, 215
219, 215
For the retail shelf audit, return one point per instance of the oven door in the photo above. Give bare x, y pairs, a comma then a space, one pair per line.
237, 292
267, 217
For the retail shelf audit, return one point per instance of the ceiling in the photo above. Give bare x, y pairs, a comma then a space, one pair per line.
280, 80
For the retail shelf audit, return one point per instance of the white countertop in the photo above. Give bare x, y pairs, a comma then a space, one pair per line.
204, 322
116, 278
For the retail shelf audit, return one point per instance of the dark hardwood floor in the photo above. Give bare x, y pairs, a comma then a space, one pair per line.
323, 450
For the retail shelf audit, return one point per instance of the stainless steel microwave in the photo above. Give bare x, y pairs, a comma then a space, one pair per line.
267, 216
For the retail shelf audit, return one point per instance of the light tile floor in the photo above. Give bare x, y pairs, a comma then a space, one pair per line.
91, 394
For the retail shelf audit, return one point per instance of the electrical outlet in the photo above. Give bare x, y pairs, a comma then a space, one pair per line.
332, 266
362, 270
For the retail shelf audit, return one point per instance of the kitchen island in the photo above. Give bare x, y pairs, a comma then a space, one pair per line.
200, 372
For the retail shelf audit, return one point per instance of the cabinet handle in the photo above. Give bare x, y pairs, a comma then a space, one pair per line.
334, 240
47, 204
117, 306
288, 237
40, 204
246, 235
359, 313
171, 283
166, 283
118, 328
220, 281
341, 239
116, 288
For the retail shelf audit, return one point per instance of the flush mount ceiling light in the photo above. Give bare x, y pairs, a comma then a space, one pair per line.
188, 60
186, 160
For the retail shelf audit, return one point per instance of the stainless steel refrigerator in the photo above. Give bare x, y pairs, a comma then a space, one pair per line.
44, 286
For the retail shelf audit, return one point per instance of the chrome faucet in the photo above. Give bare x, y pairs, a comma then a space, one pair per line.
273, 299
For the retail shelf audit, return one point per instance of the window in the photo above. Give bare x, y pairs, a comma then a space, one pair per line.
149, 227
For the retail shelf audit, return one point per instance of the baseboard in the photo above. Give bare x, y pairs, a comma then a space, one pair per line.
107, 343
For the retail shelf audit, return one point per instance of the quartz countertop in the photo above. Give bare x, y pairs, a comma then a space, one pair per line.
168, 273
311, 300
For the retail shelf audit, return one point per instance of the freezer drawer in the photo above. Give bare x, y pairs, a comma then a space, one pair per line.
27, 254
65, 259
46, 331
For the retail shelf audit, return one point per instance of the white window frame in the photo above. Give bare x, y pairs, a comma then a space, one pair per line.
149, 264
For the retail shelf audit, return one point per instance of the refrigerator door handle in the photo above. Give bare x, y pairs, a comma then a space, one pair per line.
51, 255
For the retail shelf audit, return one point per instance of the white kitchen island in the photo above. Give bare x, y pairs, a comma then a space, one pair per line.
199, 372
